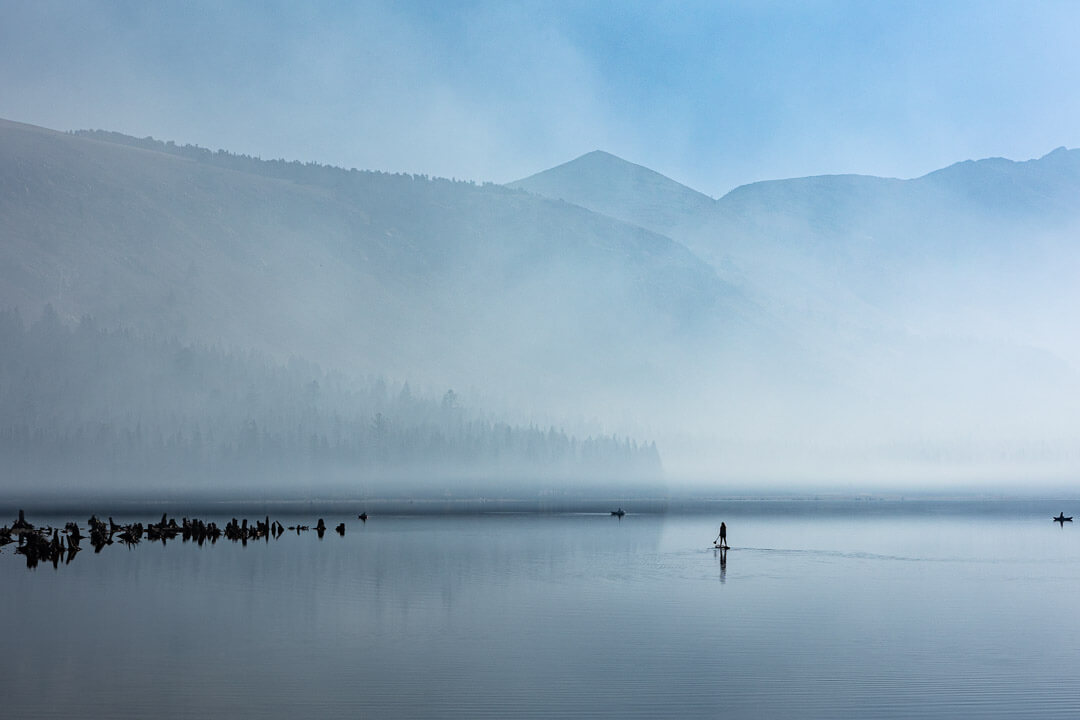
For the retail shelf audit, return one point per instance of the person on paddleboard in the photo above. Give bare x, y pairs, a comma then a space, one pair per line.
722, 539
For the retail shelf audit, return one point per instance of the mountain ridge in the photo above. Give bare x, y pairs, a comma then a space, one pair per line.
565, 181
604, 183
800, 323
352, 269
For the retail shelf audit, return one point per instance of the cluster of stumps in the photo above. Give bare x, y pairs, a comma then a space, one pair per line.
48, 544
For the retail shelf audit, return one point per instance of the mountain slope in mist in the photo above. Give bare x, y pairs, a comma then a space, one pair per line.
791, 329
863, 228
457, 284
981, 238
934, 314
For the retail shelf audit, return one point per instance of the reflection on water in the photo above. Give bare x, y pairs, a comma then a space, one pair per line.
48, 544
817, 615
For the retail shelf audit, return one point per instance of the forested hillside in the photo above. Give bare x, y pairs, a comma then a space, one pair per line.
81, 405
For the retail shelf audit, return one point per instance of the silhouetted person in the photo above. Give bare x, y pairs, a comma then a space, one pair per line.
722, 537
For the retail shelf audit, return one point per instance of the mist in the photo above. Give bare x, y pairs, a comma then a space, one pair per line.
372, 249
905, 333
824, 332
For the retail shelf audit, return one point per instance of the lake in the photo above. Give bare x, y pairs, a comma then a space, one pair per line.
842, 610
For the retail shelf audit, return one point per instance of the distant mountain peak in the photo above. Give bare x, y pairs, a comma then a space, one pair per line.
1061, 154
610, 185
611, 165
1058, 156
603, 154
610, 162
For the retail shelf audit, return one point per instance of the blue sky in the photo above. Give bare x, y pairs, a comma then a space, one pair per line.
714, 94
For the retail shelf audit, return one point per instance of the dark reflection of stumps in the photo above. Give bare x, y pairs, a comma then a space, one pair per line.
36, 544
99, 534
47, 544
199, 531
74, 534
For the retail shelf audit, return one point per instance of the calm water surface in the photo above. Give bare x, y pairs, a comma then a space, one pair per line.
811, 614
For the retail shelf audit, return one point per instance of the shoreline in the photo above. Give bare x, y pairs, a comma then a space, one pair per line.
742, 504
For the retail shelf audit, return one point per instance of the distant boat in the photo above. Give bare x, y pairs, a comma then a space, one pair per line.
618, 513
1062, 519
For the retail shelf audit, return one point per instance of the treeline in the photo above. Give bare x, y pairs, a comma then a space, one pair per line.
87, 404
307, 173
